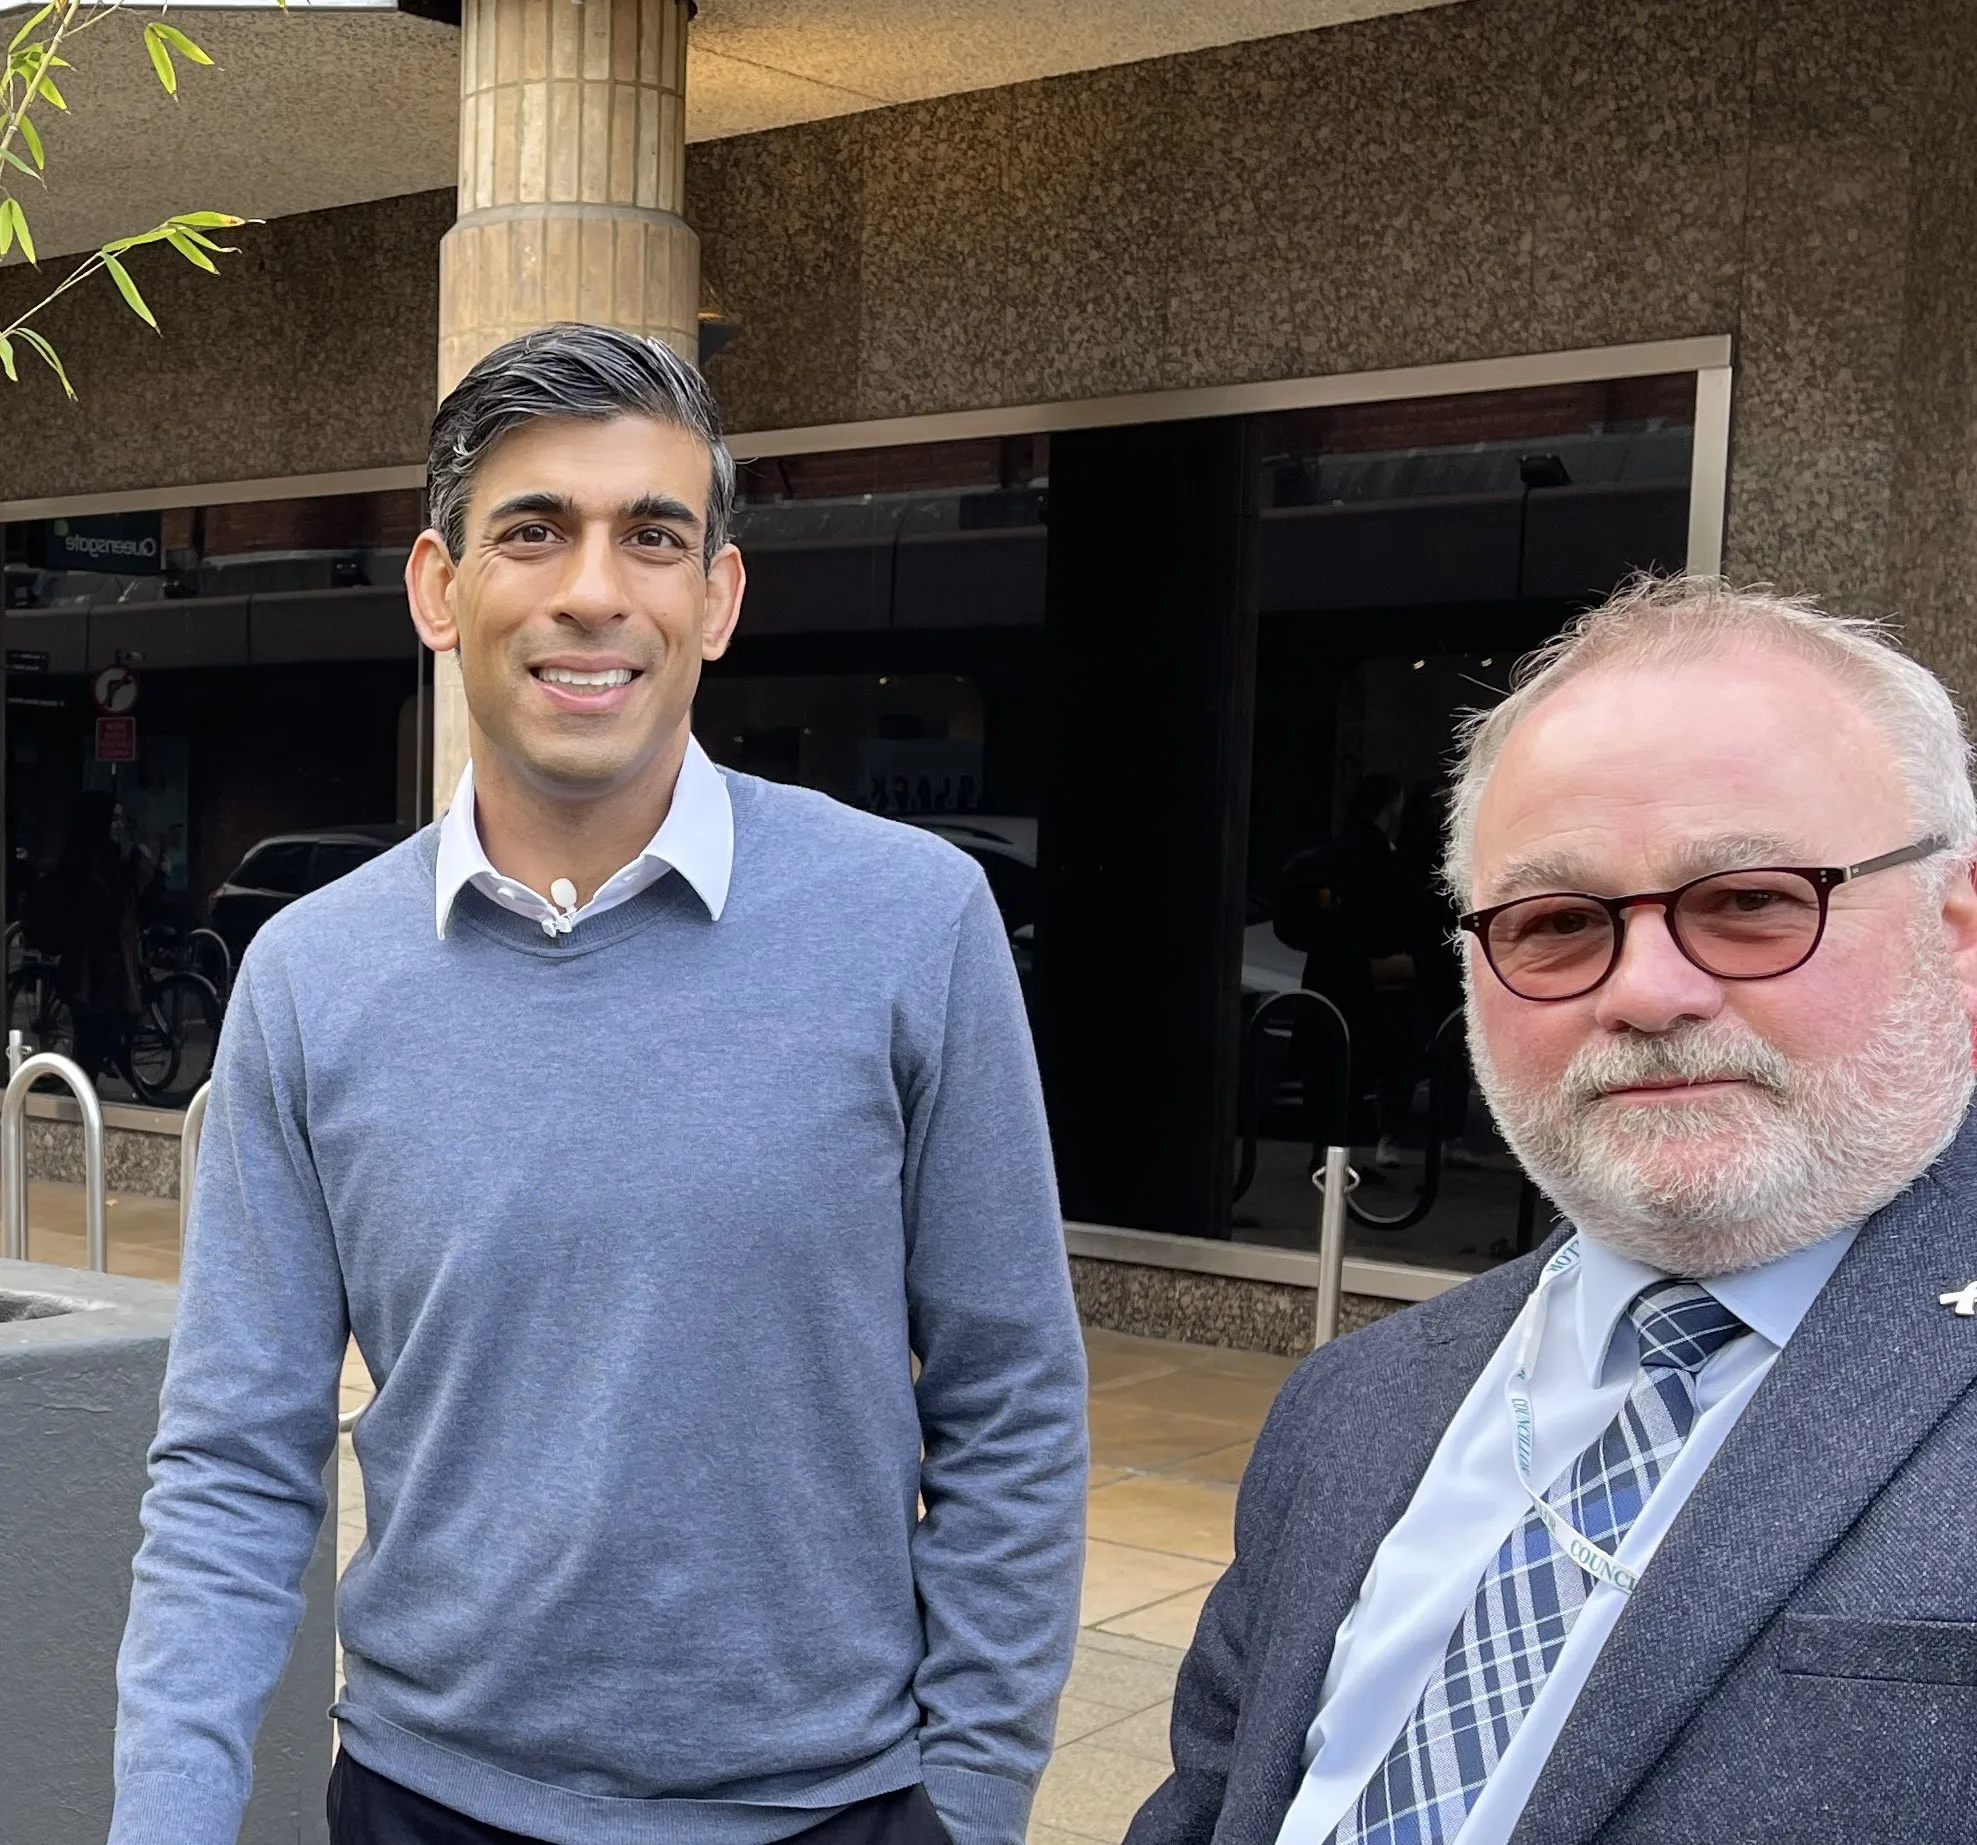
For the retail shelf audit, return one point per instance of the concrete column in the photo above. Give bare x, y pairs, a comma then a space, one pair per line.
572, 174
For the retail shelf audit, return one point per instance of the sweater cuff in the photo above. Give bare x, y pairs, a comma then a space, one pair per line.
156, 1807
976, 1808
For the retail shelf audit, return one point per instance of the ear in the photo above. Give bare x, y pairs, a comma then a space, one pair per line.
1960, 929
430, 578
726, 581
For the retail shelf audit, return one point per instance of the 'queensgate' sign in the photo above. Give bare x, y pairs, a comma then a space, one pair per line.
119, 544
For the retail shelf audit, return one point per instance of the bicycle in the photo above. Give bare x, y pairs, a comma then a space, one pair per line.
169, 1050
166, 1050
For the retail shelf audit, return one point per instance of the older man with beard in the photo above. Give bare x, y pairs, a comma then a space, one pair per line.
1666, 1532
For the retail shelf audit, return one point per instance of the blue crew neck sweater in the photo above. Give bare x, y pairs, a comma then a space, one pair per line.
640, 1231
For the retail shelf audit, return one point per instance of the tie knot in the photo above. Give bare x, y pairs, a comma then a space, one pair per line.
1682, 1325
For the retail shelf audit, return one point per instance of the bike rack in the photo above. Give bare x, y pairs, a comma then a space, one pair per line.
13, 1153
1335, 1184
226, 959
1335, 1179
1447, 1033
188, 1154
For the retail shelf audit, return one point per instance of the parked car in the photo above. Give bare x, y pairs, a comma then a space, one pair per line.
279, 870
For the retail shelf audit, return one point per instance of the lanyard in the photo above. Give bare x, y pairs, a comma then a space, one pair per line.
1601, 1565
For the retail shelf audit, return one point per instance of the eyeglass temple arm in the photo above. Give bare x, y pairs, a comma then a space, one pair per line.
1904, 855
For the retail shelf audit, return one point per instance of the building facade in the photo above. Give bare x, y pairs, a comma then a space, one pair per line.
1179, 368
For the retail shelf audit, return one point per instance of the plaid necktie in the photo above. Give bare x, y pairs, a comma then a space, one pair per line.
1507, 1643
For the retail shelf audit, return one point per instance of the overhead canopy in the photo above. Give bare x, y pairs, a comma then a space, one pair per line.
332, 102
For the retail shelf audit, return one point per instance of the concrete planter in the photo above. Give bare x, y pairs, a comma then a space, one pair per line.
82, 1357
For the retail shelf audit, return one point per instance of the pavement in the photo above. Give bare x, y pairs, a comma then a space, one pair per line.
1171, 1426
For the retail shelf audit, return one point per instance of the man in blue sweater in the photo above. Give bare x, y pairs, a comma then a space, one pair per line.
645, 1124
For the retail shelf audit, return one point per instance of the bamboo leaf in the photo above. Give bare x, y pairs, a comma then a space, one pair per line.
50, 357
161, 59
206, 220
128, 289
32, 136
181, 241
32, 20
14, 160
7, 360
46, 85
206, 243
6, 225
180, 43
21, 234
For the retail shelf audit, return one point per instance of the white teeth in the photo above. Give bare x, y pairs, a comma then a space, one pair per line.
562, 675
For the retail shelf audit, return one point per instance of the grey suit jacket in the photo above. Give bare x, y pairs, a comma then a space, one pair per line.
1800, 1660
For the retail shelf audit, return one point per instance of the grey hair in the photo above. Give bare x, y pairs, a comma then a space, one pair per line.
577, 370
1675, 620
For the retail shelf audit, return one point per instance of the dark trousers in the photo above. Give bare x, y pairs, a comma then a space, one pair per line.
366, 1809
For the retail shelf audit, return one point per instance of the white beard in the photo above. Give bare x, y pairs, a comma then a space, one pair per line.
1738, 1179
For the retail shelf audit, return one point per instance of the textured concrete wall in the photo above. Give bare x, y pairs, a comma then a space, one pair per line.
1497, 177
311, 351
146, 1164
1933, 542
1168, 1303
78, 1407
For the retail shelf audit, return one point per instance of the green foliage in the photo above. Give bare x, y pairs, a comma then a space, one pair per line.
27, 81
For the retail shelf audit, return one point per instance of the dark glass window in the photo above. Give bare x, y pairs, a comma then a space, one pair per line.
1409, 553
282, 865
334, 857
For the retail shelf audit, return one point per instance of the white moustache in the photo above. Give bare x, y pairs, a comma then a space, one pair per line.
1691, 1056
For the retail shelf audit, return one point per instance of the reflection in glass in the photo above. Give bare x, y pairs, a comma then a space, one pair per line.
1410, 552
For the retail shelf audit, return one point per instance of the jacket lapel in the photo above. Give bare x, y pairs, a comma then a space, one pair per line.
1876, 1363
1357, 1470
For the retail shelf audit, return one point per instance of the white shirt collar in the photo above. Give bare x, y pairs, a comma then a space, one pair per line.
1770, 1300
696, 839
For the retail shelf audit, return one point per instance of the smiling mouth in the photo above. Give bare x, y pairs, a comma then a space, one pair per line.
585, 685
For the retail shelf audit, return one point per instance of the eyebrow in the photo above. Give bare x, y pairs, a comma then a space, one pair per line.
1686, 859
656, 507
660, 507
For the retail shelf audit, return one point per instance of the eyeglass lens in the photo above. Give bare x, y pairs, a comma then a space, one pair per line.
1743, 925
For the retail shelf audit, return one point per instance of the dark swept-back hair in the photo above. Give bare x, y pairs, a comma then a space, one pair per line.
569, 369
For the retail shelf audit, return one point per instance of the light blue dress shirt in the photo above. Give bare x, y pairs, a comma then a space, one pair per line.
696, 839
1425, 1573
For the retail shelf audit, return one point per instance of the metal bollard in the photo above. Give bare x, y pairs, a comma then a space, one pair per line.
188, 1154
1334, 1181
13, 1157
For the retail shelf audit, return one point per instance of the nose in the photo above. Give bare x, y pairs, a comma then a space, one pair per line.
593, 594
1655, 986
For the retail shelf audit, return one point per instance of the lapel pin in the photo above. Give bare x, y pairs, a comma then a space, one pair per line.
1964, 1300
